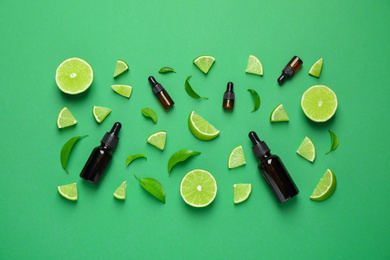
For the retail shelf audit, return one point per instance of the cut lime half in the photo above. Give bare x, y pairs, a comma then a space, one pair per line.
120, 192
254, 66
123, 90
204, 63
319, 103
236, 158
68, 191
279, 114
121, 66
325, 187
100, 113
307, 150
241, 192
158, 139
200, 128
315, 70
65, 118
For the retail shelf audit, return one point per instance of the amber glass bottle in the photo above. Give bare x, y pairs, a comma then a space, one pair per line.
162, 95
228, 97
293, 66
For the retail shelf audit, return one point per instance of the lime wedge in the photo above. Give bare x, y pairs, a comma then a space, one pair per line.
204, 63
236, 157
198, 188
123, 90
74, 76
120, 192
100, 113
279, 114
241, 192
325, 187
254, 66
158, 139
200, 128
307, 150
65, 118
315, 70
319, 103
68, 191
121, 66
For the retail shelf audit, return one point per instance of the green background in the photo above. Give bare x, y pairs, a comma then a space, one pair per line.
37, 223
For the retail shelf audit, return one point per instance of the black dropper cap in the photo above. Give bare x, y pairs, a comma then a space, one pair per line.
229, 94
156, 87
260, 148
111, 139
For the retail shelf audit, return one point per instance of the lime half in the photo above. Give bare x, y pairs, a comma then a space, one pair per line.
279, 114
319, 103
123, 90
315, 70
200, 128
325, 187
198, 188
307, 150
121, 66
254, 66
236, 157
158, 139
204, 63
120, 192
100, 113
65, 118
241, 192
74, 76
68, 191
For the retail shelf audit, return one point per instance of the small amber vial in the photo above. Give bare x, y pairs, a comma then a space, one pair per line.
228, 97
162, 95
293, 66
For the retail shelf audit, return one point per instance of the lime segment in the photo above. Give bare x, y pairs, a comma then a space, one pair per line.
200, 128
241, 192
120, 192
74, 76
315, 70
100, 113
254, 66
198, 188
319, 103
279, 114
204, 63
68, 191
123, 90
307, 150
121, 66
158, 139
236, 158
325, 187
65, 118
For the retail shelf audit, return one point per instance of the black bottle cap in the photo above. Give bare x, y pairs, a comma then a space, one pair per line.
156, 87
287, 72
229, 94
111, 139
260, 148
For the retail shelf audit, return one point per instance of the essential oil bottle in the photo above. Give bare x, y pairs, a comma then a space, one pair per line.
101, 156
273, 170
228, 97
162, 95
293, 66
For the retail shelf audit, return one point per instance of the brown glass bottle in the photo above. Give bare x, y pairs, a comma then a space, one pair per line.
162, 95
273, 170
228, 97
293, 66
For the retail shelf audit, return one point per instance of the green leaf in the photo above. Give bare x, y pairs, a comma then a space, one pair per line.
179, 156
335, 141
148, 112
256, 99
190, 91
153, 187
66, 149
166, 70
131, 158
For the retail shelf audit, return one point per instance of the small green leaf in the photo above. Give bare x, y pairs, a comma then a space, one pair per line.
335, 141
131, 158
256, 99
153, 187
190, 91
179, 156
65, 151
166, 70
148, 112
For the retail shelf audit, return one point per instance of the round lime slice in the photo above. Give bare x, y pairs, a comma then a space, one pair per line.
100, 113
279, 114
158, 139
307, 150
120, 192
325, 187
315, 70
74, 76
319, 103
121, 66
241, 192
236, 158
200, 128
68, 191
65, 118
204, 63
198, 188
123, 90
254, 66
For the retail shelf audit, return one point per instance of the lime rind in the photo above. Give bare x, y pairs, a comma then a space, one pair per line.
65, 118
319, 103
241, 192
315, 70
201, 128
307, 149
123, 90
204, 63
100, 113
326, 187
158, 139
121, 66
279, 114
120, 192
254, 66
236, 158
68, 191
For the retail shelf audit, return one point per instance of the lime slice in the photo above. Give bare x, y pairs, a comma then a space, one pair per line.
254, 66
204, 63
65, 118
236, 157
120, 192
325, 187
307, 150
315, 70
121, 66
198, 188
319, 103
200, 128
100, 113
74, 76
68, 191
241, 192
279, 114
123, 90
158, 139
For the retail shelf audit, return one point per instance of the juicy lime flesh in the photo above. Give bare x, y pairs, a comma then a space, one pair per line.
120, 192
74, 76
200, 128
198, 188
241, 192
315, 70
122, 90
65, 118
325, 187
100, 113
279, 114
254, 65
204, 63
68, 191
158, 139
307, 149
236, 158
319, 103
121, 66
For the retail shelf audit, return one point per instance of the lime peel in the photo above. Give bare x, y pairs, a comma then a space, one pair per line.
326, 187
241, 192
254, 66
307, 150
204, 63
236, 158
68, 191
